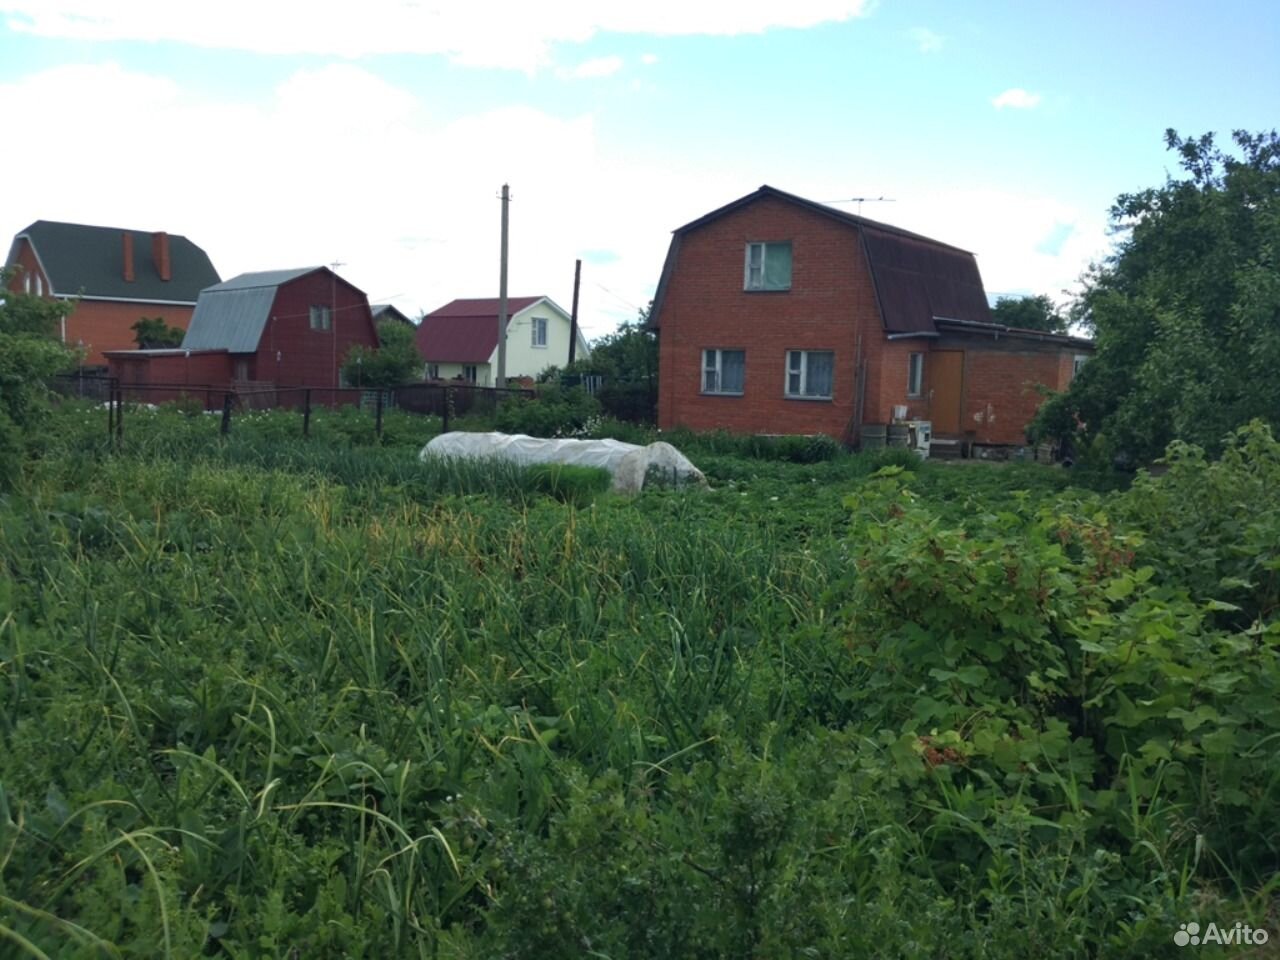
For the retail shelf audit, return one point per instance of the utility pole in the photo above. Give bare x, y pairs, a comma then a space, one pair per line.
573, 314
333, 319
501, 380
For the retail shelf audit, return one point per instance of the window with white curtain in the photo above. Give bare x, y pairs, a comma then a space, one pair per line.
724, 371
768, 267
810, 374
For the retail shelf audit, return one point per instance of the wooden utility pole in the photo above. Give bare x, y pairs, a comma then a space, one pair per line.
501, 380
573, 314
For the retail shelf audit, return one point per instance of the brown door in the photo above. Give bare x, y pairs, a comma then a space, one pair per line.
946, 382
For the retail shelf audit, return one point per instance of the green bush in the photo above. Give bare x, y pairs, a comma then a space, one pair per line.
554, 412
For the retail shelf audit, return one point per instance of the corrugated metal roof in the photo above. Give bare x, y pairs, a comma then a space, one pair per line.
919, 280
263, 278
465, 331
86, 260
230, 318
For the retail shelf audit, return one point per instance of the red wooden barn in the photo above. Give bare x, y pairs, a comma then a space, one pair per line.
278, 328
776, 314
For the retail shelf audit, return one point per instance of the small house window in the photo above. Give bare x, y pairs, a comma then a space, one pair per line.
768, 267
469, 372
433, 371
26, 283
810, 374
915, 374
539, 331
39, 285
321, 318
1077, 364
723, 371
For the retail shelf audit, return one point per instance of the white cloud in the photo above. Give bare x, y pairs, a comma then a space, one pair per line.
926, 40
649, 59
490, 33
1016, 98
336, 164
592, 69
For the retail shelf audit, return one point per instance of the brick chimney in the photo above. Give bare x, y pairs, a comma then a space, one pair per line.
160, 253
127, 240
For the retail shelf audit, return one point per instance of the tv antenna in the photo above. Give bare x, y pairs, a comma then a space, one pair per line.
861, 200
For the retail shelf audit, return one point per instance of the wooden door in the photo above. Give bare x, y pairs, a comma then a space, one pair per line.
946, 387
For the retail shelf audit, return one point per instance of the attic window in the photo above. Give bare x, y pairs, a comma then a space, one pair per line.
768, 267
539, 331
321, 318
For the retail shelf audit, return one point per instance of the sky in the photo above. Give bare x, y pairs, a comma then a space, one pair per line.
377, 135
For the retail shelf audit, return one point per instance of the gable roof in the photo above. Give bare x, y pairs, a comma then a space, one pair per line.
459, 332
83, 260
387, 311
917, 279
232, 315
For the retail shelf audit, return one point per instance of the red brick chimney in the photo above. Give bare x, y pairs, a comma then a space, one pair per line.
160, 253
127, 239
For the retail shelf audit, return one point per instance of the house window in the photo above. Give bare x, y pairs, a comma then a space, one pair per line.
26, 283
810, 374
321, 318
915, 374
723, 371
539, 331
1077, 364
469, 372
433, 371
768, 267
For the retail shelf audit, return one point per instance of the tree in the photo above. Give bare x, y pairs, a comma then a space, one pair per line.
151, 333
1029, 313
1186, 311
396, 360
29, 354
627, 359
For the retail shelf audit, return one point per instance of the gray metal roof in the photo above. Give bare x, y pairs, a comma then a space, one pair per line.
229, 319
262, 278
232, 315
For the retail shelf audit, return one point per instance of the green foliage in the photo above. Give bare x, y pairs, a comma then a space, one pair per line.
791, 448
29, 355
265, 697
627, 359
395, 361
555, 412
153, 333
1029, 313
1187, 310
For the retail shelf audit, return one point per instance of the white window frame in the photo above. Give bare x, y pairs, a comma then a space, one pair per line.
470, 373
1077, 363
756, 283
39, 285
915, 374
797, 363
26, 283
539, 327
713, 362
321, 318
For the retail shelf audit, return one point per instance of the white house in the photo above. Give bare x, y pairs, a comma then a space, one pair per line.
460, 340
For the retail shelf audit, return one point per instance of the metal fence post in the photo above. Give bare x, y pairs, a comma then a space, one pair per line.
119, 414
227, 399
448, 403
306, 413
377, 429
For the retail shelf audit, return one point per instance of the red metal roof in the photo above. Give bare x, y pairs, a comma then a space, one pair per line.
465, 331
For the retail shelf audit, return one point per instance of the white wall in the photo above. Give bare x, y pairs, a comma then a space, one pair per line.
526, 360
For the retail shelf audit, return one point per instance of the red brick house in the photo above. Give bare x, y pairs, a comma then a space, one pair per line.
776, 314
116, 277
278, 328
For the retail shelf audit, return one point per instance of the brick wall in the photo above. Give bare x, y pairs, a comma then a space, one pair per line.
831, 299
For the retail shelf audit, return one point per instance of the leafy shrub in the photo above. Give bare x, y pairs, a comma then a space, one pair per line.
554, 412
